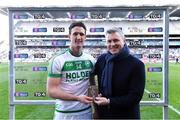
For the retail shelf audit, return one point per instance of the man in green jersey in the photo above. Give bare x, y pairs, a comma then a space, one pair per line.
68, 77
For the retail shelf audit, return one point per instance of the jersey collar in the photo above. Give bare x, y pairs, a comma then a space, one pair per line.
73, 54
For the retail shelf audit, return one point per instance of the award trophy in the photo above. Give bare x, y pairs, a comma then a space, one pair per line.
93, 92
93, 89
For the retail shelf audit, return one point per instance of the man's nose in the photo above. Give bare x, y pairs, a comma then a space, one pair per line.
78, 36
112, 43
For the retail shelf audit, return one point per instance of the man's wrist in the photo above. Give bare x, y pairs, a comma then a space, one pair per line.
108, 101
77, 98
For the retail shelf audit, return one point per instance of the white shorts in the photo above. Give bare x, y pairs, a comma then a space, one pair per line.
85, 115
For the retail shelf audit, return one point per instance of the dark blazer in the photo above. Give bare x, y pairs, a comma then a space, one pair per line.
128, 82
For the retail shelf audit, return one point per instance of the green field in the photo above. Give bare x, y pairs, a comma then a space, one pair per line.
36, 82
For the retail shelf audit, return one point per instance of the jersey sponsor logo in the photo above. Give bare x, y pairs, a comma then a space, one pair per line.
77, 65
77, 76
75, 80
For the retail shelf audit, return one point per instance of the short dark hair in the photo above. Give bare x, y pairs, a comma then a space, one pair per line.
74, 24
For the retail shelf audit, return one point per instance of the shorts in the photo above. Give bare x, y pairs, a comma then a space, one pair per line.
85, 115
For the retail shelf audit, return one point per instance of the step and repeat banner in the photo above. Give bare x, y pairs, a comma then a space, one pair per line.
38, 35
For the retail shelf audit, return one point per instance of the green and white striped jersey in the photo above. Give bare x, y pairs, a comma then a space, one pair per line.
74, 74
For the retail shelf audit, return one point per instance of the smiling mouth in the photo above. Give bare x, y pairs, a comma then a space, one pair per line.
113, 49
78, 41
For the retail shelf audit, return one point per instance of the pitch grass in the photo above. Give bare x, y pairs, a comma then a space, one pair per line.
153, 84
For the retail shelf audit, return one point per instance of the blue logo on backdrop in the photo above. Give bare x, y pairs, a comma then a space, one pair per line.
39, 69
21, 94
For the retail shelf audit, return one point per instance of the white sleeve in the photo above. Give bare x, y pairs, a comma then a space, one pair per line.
54, 68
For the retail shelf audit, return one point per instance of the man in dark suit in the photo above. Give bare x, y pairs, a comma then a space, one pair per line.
121, 80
